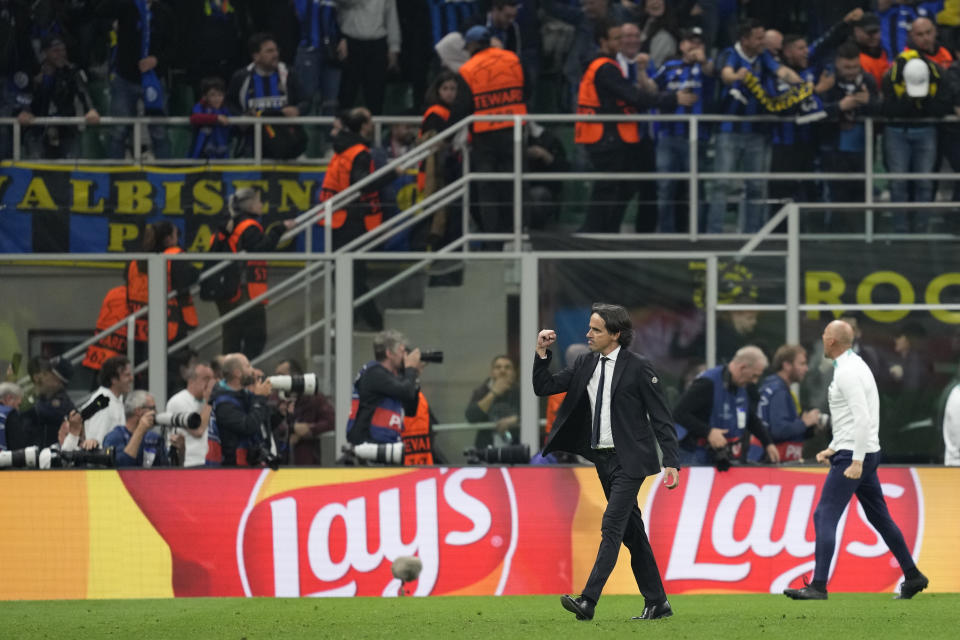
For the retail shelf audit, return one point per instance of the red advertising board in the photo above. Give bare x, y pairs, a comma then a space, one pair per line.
477, 531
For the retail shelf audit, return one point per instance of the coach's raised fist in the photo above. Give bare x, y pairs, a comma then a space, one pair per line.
544, 339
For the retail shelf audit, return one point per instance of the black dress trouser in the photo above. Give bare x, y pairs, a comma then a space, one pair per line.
622, 523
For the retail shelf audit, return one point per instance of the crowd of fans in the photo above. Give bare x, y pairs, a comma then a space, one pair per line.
823, 66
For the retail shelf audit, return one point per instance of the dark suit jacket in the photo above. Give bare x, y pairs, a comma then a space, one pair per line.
638, 413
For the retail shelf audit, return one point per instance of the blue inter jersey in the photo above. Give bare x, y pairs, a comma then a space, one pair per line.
735, 99
677, 75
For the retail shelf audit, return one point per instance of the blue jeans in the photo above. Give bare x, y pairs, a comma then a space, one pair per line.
123, 103
834, 498
316, 76
673, 155
748, 152
910, 150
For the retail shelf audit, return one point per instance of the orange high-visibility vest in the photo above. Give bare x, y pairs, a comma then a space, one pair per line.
113, 309
337, 178
876, 67
444, 113
588, 102
179, 308
417, 440
495, 78
138, 295
256, 269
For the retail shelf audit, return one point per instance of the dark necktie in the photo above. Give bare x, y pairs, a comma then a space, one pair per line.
598, 405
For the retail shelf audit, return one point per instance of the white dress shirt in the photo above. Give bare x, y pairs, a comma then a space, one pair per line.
195, 454
606, 431
854, 407
103, 422
951, 429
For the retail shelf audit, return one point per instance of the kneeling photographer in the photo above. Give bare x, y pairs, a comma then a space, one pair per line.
239, 429
135, 443
717, 410
385, 390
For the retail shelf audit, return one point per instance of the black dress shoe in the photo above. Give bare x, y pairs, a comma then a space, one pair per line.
655, 611
808, 592
911, 587
579, 605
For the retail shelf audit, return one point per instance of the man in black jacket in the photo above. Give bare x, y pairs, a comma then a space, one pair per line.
351, 163
240, 420
385, 390
852, 96
612, 145
719, 408
145, 43
56, 92
614, 414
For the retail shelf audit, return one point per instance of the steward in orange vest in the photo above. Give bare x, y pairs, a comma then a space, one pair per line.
352, 162
605, 90
113, 309
181, 313
417, 435
442, 166
493, 84
247, 333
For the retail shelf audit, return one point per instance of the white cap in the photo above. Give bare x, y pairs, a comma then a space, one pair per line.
916, 77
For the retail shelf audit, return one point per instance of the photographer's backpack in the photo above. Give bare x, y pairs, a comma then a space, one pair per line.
225, 283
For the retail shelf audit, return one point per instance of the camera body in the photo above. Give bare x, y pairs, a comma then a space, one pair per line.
722, 458
429, 355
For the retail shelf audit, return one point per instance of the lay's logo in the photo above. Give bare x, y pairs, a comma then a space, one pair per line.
477, 530
752, 531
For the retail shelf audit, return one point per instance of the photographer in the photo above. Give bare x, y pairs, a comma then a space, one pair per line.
195, 399
239, 426
385, 390
51, 404
10, 396
497, 400
116, 379
134, 443
305, 417
718, 408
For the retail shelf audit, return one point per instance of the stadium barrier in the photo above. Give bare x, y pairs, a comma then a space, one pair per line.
477, 530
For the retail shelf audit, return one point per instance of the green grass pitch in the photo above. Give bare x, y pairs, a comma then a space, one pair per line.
701, 617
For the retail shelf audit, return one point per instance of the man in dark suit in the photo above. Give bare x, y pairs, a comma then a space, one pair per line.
614, 414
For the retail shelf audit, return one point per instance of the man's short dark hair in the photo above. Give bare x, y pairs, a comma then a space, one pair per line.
294, 366
790, 38
746, 27
255, 43
616, 319
354, 119
500, 4
385, 341
847, 51
786, 353
601, 30
111, 369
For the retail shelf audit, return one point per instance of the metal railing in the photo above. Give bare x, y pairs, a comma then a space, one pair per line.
140, 122
340, 310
